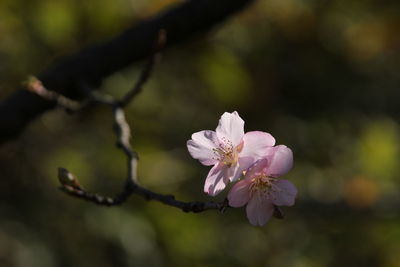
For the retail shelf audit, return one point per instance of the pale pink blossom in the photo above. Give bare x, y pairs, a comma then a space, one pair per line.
229, 149
261, 190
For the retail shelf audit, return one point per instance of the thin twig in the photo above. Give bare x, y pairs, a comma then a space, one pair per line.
123, 132
34, 85
147, 70
133, 188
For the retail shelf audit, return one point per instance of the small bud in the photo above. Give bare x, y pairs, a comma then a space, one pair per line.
68, 179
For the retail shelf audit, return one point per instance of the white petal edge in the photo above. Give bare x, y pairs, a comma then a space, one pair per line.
201, 147
230, 128
216, 180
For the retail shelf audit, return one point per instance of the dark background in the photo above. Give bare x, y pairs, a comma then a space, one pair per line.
321, 76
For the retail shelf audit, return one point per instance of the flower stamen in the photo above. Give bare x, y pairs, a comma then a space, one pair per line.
226, 153
263, 183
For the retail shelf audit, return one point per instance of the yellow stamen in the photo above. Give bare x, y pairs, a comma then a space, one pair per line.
227, 153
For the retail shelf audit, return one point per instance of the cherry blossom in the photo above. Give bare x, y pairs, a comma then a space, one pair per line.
229, 150
261, 190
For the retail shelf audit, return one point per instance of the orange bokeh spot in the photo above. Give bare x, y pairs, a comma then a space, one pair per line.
361, 192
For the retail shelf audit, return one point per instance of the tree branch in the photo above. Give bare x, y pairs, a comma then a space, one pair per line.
70, 183
93, 64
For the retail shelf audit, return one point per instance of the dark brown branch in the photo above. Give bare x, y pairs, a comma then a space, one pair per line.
95, 63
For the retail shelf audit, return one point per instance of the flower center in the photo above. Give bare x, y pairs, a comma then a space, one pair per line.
263, 184
227, 153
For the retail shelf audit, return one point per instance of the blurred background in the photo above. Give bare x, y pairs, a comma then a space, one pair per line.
321, 76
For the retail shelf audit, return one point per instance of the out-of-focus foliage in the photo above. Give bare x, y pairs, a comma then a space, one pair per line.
321, 76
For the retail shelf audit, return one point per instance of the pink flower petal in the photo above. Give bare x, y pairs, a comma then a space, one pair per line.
259, 209
259, 168
230, 128
242, 165
283, 193
280, 161
201, 147
256, 144
233, 173
239, 194
216, 180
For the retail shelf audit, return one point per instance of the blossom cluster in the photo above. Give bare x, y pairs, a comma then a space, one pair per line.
252, 160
